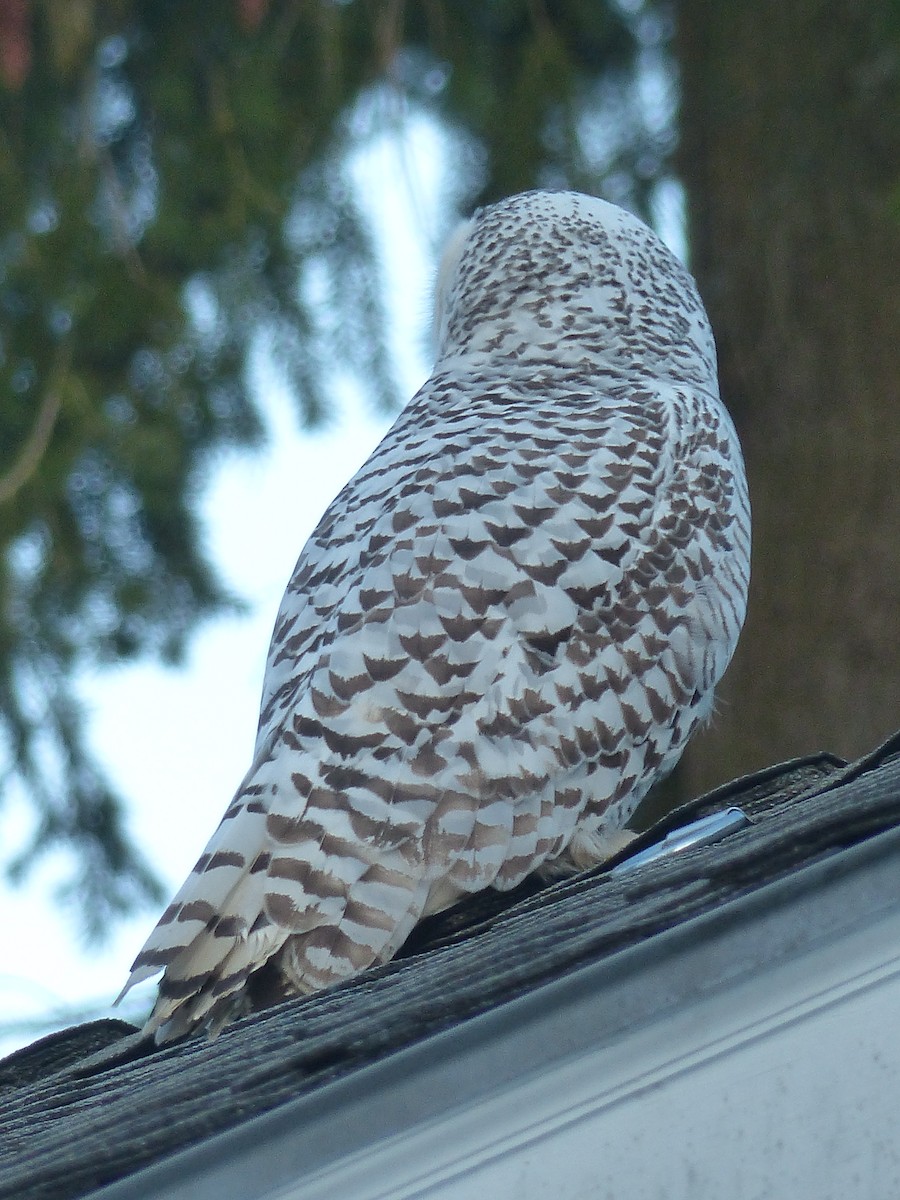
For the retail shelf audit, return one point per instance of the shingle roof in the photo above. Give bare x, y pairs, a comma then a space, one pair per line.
73, 1119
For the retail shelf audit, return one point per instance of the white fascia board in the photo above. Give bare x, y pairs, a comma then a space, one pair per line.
784, 1085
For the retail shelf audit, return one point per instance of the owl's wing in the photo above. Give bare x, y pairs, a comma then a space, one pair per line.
509, 638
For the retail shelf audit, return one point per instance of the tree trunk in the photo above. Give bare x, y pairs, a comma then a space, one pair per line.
790, 150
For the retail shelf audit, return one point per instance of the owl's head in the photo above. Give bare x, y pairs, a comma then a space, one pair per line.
553, 277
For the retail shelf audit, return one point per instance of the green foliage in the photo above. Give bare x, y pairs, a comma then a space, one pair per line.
168, 173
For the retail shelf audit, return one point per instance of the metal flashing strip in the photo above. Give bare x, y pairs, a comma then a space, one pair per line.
702, 832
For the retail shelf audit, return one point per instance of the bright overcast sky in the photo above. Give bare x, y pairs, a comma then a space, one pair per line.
176, 743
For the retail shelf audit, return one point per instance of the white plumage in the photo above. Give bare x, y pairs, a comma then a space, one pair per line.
503, 630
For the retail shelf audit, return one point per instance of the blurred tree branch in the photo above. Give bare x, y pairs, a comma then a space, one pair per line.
33, 450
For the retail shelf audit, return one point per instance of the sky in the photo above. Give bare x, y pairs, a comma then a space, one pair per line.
176, 742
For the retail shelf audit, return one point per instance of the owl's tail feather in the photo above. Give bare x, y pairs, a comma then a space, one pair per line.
204, 941
191, 998
319, 913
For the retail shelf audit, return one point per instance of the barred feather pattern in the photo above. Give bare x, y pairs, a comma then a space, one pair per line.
503, 630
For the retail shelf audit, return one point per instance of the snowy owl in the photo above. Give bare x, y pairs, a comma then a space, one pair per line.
503, 630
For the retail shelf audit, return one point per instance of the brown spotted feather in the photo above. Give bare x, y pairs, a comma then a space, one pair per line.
503, 630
